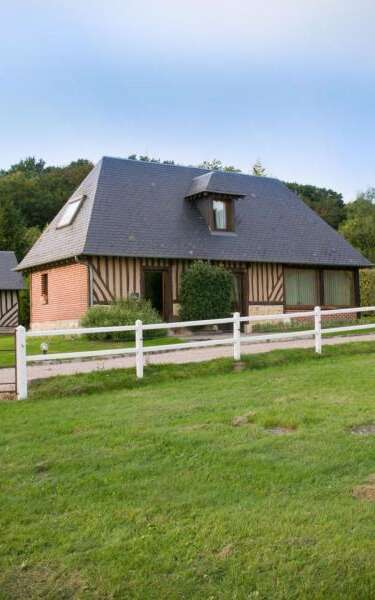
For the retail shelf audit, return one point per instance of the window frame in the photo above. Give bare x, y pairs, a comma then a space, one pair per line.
78, 201
229, 216
321, 292
318, 284
44, 287
353, 288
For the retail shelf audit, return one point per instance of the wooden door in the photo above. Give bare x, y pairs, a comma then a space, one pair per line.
156, 287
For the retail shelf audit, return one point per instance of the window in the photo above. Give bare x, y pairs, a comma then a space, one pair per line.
338, 288
70, 212
44, 288
222, 215
301, 287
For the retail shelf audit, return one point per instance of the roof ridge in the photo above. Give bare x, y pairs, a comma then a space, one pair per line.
179, 166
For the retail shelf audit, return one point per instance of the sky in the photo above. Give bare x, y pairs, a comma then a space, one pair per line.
289, 82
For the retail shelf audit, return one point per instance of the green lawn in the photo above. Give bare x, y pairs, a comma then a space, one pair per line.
69, 344
116, 489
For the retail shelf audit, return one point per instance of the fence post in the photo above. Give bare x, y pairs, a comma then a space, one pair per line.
318, 330
236, 336
139, 348
21, 369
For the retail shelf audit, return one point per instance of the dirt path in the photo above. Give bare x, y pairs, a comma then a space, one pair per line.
42, 370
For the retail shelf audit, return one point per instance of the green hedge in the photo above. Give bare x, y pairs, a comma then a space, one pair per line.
122, 312
367, 283
206, 292
24, 305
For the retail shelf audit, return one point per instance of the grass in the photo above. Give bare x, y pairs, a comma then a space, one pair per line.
113, 488
57, 344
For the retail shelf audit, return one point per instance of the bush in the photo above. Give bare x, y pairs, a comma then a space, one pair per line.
206, 292
367, 284
24, 305
122, 312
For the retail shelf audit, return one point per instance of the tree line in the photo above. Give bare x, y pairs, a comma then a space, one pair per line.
31, 193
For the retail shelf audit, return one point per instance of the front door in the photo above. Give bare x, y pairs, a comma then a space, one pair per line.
156, 289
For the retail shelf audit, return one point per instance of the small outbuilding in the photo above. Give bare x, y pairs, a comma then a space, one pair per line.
11, 283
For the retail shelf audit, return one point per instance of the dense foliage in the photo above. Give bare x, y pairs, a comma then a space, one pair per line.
206, 292
24, 305
359, 227
30, 196
367, 282
327, 203
122, 312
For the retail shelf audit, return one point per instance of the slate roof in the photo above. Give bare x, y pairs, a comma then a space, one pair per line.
9, 279
135, 208
215, 182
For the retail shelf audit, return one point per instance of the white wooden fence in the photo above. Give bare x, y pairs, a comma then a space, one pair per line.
235, 339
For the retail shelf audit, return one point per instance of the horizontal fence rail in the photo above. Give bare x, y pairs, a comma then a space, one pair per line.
139, 349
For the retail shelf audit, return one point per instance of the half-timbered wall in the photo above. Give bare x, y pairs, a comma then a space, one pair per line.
266, 283
8, 308
118, 277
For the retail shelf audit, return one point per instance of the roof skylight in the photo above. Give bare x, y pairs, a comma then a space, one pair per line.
70, 212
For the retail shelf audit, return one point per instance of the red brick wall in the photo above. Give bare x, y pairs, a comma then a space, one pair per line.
68, 294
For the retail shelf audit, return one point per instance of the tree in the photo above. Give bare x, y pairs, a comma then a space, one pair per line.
327, 203
258, 169
359, 228
217, 165
146, 158
12, 228
231, 169
30, 236
30, 166
39, 192
211, 165
30, 196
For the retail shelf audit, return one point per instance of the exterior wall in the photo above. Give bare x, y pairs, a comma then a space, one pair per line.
100, 280
118, 277
8, 308
68, 296
264, 309
266, 283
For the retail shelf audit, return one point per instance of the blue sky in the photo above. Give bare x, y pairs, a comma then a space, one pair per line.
291, 82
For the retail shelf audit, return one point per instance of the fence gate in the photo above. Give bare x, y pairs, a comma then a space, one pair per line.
8, 380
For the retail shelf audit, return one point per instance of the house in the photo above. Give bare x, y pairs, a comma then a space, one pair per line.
10, 284
132, 227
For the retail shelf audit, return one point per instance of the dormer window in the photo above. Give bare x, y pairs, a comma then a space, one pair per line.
222, 215
215, 194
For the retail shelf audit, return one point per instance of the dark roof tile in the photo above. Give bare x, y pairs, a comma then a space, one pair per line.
136, 208
9, 279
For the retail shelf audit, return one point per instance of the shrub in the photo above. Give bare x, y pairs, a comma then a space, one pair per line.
367, 284
24, 305
206, 292
122, 312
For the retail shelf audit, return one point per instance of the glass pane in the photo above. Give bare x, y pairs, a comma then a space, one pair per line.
220, 214
301, 287
338, 288
69, 213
